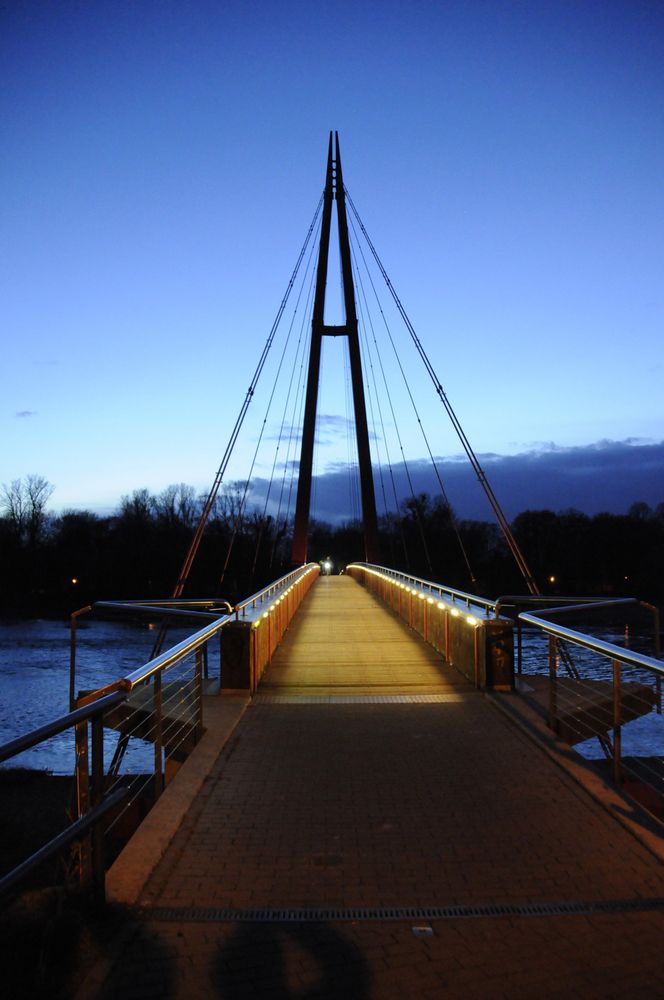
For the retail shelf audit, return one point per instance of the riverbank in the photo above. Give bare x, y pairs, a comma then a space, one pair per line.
34, 807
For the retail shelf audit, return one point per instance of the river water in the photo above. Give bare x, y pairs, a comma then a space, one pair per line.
34, 684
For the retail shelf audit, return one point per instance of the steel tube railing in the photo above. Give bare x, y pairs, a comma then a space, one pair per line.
59, 725
184, 702
470, 600
608, 649
78, 829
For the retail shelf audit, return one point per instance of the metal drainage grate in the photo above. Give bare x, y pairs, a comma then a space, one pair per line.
314, 914
356, 699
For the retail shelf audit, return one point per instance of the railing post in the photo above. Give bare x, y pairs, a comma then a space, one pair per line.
158, 736
83, 800
476, 655
201, 658
519, 646
553, 683
72, 663
617, 724
98, 868
447, 634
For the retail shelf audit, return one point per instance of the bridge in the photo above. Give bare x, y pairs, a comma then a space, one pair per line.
364, 784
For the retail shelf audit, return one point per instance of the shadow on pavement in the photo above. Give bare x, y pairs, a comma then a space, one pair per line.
255, 960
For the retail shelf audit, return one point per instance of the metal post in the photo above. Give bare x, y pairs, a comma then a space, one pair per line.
98, 869
72, 663
476, 655
518, 645
201, 657
83, 800
158, 756
447, 635
553, 683
72, 654
617, 723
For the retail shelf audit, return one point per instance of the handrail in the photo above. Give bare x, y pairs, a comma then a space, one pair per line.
75, 831
159, 663
278, 585
609, 649
193, 642
462, 595
92, 707
566, 603
59, 725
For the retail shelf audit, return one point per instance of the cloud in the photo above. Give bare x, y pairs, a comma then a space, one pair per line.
330, 428
602, 476
23, 414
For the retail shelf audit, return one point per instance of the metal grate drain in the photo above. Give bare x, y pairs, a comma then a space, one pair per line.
314, 914
356, 699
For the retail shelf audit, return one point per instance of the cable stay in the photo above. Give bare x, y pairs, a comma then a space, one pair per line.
221, 471
306, 314
477, 468
247, 485
413, 404
531, 583
209, 503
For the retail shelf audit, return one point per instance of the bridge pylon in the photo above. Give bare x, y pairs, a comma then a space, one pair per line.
334, 191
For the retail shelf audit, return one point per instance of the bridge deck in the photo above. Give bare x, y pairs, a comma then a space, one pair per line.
335, 795
347, 643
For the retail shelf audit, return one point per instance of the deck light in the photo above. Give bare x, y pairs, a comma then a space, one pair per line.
441, 605
471, 620
454, 613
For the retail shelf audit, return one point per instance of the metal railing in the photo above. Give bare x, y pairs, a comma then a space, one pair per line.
462, 626
98, 804
159, 703
479, 605
615, 696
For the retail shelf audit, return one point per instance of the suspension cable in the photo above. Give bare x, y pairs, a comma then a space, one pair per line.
477, 468
288, 395
455, 526
375, 394
212, 495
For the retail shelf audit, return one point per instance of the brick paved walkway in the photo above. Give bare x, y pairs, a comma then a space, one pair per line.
320, 804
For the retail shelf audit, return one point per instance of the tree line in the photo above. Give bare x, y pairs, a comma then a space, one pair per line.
52, 564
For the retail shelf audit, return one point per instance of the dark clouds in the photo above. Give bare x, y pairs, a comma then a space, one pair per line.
606, 476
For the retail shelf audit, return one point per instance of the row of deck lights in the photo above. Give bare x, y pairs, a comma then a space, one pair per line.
273, 607
421, 595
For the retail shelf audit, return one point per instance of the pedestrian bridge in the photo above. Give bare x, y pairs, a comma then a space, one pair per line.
367, 802
371, 817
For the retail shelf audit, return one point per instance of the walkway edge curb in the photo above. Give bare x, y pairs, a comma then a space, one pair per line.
132, 868
633, 817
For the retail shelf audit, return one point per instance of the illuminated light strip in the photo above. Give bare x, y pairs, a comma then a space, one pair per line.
442, 606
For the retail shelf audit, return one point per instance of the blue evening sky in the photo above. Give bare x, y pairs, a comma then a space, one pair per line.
161, 162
